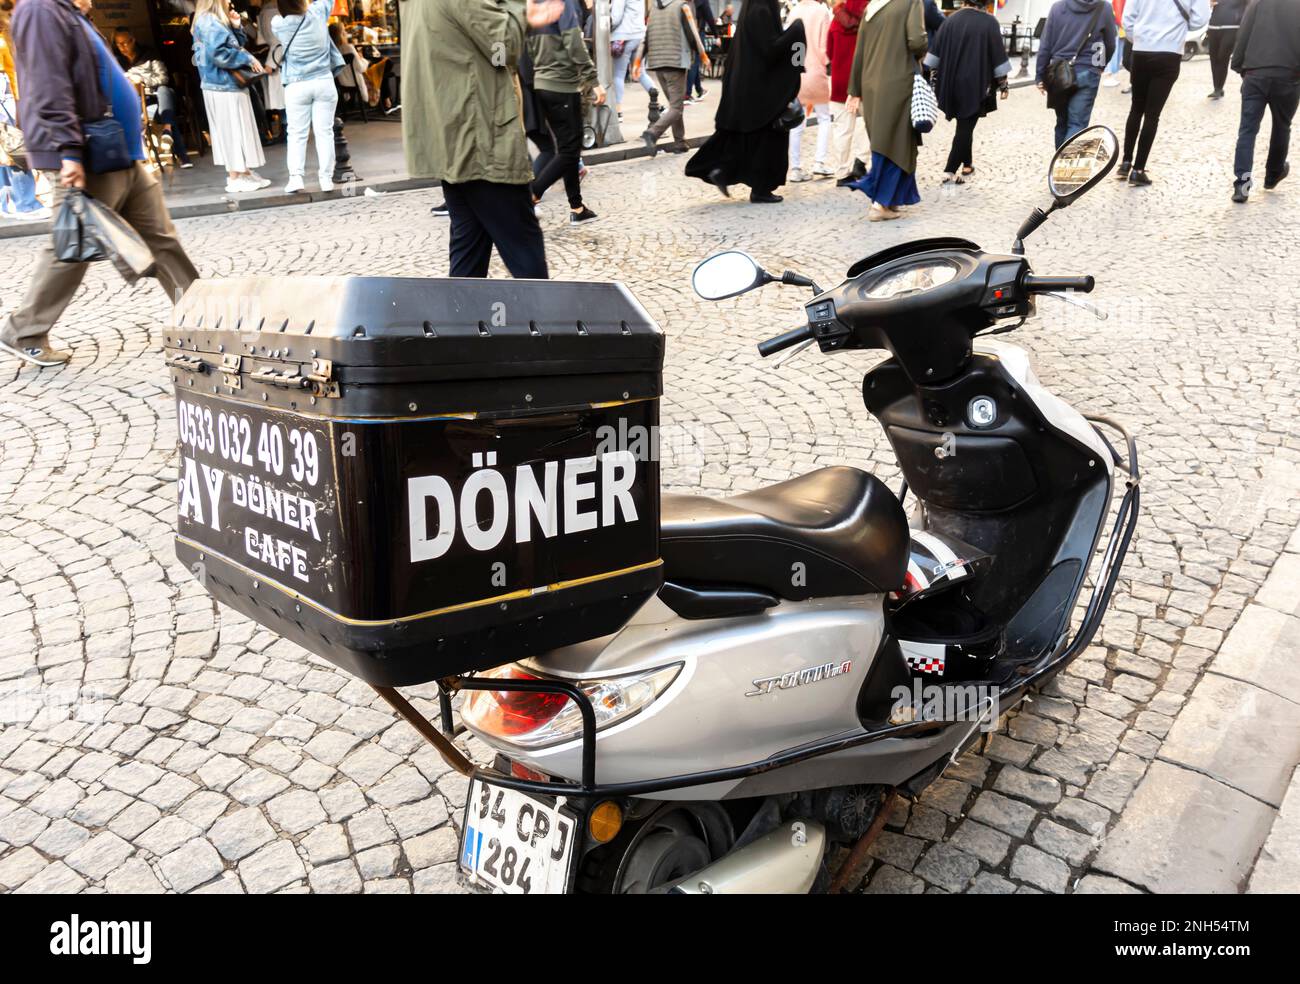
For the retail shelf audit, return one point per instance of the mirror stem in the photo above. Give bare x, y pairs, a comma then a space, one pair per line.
1029, 226
799, 280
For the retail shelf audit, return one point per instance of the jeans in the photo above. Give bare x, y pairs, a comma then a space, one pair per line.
693, 77
963, 144
17, 187
1280, 97
1076, 114
621, 64
1154, 74
309, 106
563, 112
163, 109
484, 214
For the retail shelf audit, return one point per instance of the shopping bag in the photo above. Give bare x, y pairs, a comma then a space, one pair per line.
72, 242
925, 108
93, 231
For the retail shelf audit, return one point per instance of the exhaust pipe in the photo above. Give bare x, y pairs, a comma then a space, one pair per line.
784, 862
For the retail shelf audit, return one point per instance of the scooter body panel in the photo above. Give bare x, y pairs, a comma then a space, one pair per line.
749, 687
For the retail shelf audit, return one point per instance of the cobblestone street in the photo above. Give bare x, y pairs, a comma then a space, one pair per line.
152, 741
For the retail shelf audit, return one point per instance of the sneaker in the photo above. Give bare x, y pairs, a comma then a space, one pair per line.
295, 185
1216, 94
1241, 189
677, 148
688, 101
37, 355
822, 171
578, 218
257, 180
440, 209
240, 186
1138, 178
652, 145
1122, 171
797, 175
1270, 184
1126, 90
186, 165
326, 184
701, 94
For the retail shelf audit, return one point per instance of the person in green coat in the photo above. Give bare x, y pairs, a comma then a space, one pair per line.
462, 123
891, 38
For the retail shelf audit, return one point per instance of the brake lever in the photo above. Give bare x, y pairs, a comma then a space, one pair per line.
791, 353
1087, 306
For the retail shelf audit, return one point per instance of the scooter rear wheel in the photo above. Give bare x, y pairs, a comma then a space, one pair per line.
669, 851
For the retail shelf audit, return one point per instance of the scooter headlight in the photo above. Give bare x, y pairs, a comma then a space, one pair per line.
535, 720
913, 279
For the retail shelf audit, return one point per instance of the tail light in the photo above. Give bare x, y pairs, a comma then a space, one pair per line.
534, 720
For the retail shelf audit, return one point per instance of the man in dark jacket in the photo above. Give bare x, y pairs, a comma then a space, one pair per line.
1082, 32
1267, 55
61, 61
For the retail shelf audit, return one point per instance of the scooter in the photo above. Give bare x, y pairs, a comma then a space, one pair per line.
814, 652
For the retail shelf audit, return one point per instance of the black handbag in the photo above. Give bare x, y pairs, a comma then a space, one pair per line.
1059, 80
791, 117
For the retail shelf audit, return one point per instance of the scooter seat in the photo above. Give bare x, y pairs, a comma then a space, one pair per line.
835, 531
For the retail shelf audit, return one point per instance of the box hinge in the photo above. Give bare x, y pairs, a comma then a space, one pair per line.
230, 365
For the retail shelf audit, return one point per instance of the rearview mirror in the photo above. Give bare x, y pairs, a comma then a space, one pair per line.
1081, 162
726, 275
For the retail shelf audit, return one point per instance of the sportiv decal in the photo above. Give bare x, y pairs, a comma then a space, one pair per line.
798, 678
553, 498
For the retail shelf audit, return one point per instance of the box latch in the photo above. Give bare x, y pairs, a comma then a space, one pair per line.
320, 380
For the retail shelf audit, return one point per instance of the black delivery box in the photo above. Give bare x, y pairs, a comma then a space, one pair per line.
416, 478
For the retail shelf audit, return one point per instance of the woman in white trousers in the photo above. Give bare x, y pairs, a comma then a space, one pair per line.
308, 61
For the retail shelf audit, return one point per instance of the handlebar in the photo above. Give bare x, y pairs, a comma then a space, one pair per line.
792, 337
1041, 285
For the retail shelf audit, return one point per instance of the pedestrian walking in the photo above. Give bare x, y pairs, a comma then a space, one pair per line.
891, 41
849, 146
68, 77
308, 60
706, 24
562, 71
666, 50
814, 90
1080, 34
971, 64
627, 29
1158, 31
1225, 21
226, 69
1117, 60
1267, 55
749, 145
461, 124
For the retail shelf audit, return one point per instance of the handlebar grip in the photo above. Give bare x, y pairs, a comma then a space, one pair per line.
792, 337
1039, 285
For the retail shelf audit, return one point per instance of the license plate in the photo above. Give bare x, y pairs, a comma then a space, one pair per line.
515, 843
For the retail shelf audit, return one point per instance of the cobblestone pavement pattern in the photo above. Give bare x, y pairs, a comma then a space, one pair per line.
152, 741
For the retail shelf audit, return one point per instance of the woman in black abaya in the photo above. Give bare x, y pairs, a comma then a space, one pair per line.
748, 145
